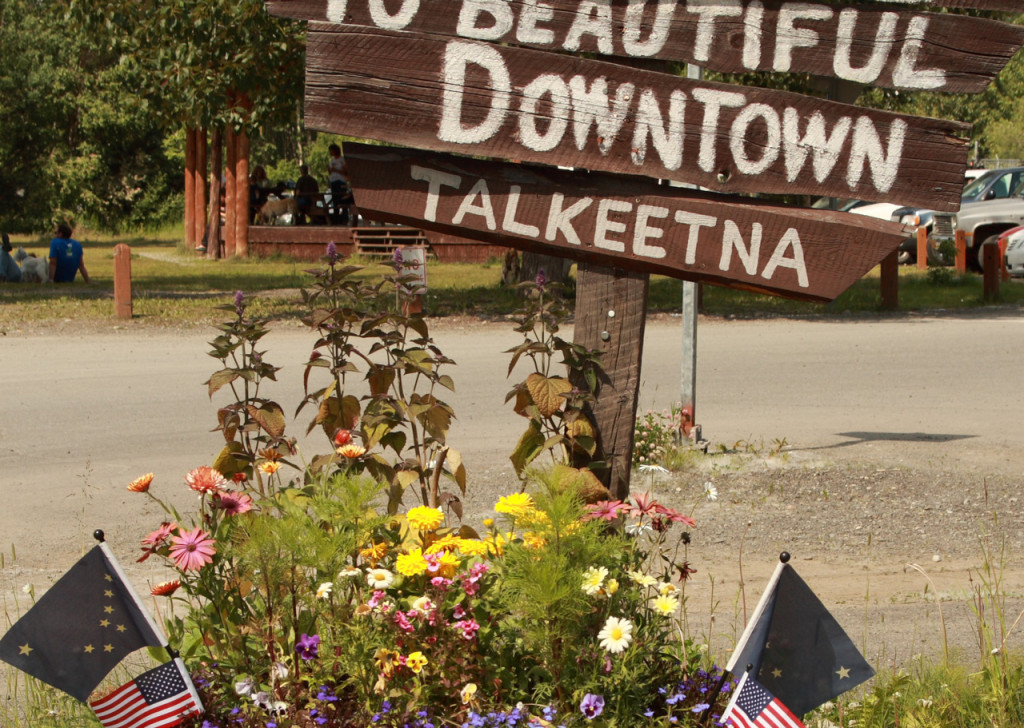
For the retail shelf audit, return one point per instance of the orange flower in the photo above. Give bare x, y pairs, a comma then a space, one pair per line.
352, 451
141, 484
374, 552
166, 588
270, 453
205, 479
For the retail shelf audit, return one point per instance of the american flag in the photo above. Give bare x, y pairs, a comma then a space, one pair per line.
156, 699
754, 707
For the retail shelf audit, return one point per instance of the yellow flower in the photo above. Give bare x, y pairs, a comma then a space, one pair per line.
425, 518
642, 579
593, 579
611, 586
449, 542
412, 563
666, 604
269, 467
468, 693
416, 661
472, 547
386, 661
449, 562
488, 522
351, 451
496, 544
515, 505
534, 540
666, 588
374, 552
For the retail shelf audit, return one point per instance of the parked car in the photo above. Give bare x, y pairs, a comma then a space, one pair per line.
993, 184
1014, 238
982, 222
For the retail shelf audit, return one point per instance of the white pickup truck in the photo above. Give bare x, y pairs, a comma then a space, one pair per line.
982, 222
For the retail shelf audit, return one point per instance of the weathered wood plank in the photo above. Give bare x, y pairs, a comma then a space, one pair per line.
611, 315
621, 222
515, 103
877, 45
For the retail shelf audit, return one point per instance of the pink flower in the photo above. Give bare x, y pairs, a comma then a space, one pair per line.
433, 560
439, 582
232, 503
470, 587
606, 510
403, 622
205, 479
478, 570
645, 505
376, 599
152, 543
458, 612
675, 516
469, 628
192, 550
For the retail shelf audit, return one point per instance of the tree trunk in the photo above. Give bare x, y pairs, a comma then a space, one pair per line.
556, 268
230, 190
213, 245
190, 187
200, 185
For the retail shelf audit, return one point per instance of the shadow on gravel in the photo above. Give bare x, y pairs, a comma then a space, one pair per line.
857, 438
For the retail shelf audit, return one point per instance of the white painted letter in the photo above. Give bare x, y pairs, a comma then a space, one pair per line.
593, 17
336, 11
696, 221
826, 148
533, 12
790, 239
590, 105
866, 145
457, 55
644, 231
905, 75
484, 209
469, 15
752, 29
510, 223
738, 139
667, 136
632, 21
788, 36
713, 101
603, 225
559, 219
731, 238
398, 21
885, 37
708, 10
434, 179
551, 85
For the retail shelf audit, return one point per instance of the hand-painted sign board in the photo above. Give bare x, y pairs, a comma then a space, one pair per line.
476, 98
620, 222
875, 45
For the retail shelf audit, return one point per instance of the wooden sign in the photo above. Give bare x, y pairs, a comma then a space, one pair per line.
514, 103
874, 45
618, 222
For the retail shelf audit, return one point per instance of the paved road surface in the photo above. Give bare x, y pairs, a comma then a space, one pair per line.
81, 416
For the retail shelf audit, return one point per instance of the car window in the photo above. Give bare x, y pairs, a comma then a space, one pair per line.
974, 188
1000, 188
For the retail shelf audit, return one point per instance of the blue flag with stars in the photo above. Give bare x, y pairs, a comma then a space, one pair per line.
796, 648
80, 629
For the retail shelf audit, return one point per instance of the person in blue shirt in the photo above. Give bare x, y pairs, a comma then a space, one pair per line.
10, 271
66, 257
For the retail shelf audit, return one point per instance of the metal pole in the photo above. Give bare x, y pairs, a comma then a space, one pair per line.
688, 380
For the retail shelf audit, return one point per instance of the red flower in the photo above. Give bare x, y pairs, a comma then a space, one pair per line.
166, 588
645, 505
605, 510
342, 437
158, 538
205, 479
675, 516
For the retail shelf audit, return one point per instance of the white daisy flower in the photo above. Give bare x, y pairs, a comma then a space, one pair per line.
379, 578
616, 634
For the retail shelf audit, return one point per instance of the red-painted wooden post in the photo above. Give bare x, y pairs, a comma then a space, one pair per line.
961, 251
990, 264
200, 185
242, 194
922, 248
230, 190
122, 281
891, 281
190, 187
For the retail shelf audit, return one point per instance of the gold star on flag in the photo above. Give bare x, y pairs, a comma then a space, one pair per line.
108, 648
89, 649
843, 672
120, 628
108, 609
24, 649
108, 577
104, 623
107, 593
776, 673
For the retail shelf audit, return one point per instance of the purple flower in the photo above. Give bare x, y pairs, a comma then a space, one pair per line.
542, 279
307, 646
700, 708
239, 303
591, 706
397, 260
332, 252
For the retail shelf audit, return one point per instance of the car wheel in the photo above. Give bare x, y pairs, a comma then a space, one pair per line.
978, 257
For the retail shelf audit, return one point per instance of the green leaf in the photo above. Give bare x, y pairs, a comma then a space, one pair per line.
219, 379
527, 449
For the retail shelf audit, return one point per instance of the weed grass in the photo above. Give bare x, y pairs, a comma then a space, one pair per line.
172, 286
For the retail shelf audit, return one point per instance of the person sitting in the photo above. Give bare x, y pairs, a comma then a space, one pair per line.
10, 271
259, 190
306, 192
66, 257
341, 193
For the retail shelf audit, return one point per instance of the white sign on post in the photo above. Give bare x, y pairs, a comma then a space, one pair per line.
414, 263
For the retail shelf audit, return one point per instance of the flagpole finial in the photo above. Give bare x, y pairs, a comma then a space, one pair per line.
784, 557
98, 535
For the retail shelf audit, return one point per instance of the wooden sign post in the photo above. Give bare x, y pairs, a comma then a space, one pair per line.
480, 78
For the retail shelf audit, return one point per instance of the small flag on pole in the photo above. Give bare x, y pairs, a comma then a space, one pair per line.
160, 698
752, 706
796, 648
81, 628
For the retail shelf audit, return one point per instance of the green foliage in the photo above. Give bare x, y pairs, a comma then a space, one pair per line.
554, 404
654, 436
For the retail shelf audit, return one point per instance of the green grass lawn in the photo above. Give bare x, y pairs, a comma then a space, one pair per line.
173, 286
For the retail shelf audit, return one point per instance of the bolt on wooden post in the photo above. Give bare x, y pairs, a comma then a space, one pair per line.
122, 281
